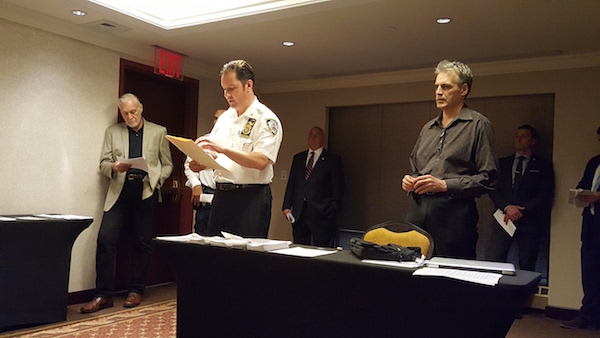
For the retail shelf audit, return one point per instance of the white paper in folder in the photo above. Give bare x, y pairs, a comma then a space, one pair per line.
509, 227
191, 149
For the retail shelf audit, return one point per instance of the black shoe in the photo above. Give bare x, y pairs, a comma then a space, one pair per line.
577, 323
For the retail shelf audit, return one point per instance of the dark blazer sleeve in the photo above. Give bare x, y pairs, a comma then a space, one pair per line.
543, 188
294, 180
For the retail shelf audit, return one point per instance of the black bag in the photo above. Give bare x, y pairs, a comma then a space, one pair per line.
391, 252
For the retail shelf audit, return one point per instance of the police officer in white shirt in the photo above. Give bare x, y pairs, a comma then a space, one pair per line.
246, 141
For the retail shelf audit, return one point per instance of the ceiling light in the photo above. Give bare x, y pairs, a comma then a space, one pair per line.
443, 20
288, 43
78, 12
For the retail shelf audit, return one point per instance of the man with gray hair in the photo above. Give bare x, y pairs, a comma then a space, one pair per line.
131, 198
453, 161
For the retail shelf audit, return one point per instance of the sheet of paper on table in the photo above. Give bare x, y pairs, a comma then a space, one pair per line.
485, 278
136, 163
304, 252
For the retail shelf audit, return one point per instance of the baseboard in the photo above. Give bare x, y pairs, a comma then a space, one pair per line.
80, 296
560, 313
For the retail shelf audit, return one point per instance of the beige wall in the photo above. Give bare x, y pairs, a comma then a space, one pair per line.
57, 95
576, 120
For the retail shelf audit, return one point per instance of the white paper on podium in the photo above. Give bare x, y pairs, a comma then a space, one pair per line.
191, 149
136, 163
509, 227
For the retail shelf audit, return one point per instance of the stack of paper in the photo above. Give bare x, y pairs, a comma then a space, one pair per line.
230, 241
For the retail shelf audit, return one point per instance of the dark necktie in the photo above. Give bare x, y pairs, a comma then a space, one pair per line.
519, 172
309, 165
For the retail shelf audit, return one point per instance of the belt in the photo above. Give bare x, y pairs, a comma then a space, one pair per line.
232, 186
207, 189
131, 177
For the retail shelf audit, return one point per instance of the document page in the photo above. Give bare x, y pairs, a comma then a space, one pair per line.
484, 278
191, 149
136, 163
508, 227
573, 193
304, 252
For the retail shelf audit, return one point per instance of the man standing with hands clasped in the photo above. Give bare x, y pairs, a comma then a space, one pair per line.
314, 192
524, 193
453, 161
245, 140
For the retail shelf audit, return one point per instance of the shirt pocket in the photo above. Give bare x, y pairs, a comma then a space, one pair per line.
243, 144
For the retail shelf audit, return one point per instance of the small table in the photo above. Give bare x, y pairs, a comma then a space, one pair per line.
235, 292
35, 258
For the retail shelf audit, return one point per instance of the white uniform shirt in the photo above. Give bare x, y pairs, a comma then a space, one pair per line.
257, 129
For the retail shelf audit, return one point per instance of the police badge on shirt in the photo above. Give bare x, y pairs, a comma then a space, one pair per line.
245, 133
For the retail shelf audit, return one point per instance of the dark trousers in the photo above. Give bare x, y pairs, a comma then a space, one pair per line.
451, 222
590, 267
203, 214
244, 212
137, 214
528, 245
314, 230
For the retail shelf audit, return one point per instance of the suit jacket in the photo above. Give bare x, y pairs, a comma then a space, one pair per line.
155, 150
322, 192
535, 192
589, 220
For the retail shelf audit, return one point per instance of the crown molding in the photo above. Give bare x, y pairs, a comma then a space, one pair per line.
409, 76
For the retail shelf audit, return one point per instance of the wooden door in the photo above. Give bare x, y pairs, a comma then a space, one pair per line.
173, 104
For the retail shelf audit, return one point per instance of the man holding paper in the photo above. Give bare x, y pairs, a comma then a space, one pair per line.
524, 194
245, 141
131, 198
589, 313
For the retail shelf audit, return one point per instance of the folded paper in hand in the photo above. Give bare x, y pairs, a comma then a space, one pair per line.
573, 193
191, 149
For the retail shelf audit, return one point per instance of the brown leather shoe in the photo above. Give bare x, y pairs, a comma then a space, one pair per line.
97, 304
133, 299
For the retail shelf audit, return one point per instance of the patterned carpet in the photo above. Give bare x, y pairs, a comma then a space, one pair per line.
157, 320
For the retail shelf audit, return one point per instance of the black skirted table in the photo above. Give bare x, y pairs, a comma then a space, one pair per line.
35, 258
229, 292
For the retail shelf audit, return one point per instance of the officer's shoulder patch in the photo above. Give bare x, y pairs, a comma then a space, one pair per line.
273, 126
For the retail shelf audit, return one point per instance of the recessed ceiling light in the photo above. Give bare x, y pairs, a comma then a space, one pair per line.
78, 12
443, 20
288, 43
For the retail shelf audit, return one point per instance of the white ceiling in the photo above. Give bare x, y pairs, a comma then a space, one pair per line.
341, 37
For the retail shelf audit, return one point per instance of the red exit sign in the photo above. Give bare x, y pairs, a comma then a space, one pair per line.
167, 63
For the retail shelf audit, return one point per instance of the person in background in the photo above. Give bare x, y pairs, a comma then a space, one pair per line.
524, 193
246, 141
201, 183
453, 161
131, 198
314, 193
589, 313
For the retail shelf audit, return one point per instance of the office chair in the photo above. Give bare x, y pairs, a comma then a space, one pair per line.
400, 233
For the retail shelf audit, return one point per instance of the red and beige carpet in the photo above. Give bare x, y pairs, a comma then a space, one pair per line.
156, 320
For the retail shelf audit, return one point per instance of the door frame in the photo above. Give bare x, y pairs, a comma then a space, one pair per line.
190, 127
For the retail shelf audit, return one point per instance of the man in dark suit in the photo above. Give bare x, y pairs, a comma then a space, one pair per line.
524, 193
589, 313
130, 200
313, 196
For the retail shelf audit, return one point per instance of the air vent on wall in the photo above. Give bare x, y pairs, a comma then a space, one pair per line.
105, 26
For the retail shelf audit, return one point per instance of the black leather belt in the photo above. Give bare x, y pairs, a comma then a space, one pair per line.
132, 177
232, 186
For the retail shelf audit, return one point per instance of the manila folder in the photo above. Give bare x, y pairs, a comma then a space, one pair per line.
191, 149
